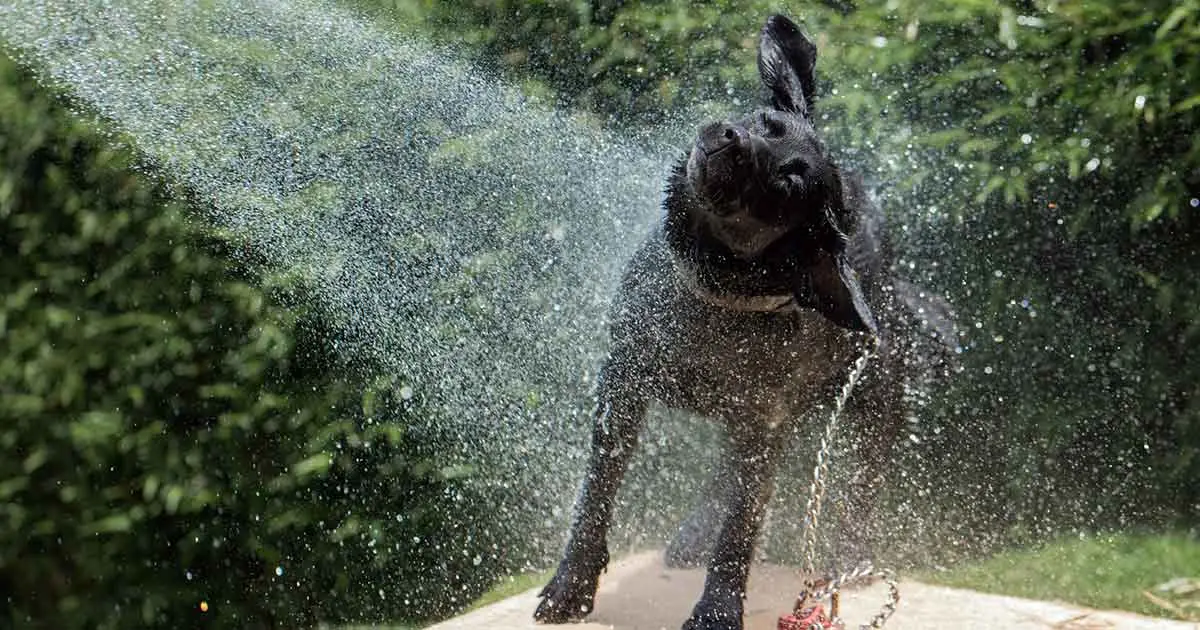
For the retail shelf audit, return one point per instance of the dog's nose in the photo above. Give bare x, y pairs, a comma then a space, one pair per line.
719, 136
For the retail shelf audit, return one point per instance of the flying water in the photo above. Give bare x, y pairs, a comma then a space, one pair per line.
468, 238
458, 234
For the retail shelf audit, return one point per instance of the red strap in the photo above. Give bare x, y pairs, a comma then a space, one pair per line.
806, 619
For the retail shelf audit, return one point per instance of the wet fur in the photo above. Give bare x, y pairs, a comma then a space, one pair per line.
748, 304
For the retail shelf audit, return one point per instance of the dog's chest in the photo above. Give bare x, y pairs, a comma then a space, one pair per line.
714, 359
753, 354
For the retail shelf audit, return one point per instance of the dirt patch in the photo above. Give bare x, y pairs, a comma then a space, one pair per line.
639, 593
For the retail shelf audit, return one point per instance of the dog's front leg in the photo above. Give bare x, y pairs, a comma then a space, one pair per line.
618, 419
720, 607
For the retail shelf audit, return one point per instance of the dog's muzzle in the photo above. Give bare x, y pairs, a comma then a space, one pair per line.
718, 166
719, 137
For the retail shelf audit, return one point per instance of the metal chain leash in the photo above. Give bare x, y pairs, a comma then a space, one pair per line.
816, 491
830, 589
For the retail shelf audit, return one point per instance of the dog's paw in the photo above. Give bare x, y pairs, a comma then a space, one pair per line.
569, 595
708, 615
714, 621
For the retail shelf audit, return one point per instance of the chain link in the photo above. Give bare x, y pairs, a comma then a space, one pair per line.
863, 572
816, 493
812, 513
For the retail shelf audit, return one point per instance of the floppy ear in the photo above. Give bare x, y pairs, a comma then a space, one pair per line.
785, 63
832, 289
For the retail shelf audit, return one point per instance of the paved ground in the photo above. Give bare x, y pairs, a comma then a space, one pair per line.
638, 593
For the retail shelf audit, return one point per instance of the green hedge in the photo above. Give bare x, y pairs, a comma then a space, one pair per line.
174, 437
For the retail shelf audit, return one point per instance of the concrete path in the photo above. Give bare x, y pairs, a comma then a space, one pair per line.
638, 593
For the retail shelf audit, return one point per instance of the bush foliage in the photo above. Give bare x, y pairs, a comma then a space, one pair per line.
174, 436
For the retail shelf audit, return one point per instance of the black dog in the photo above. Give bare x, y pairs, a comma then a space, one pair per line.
749, 304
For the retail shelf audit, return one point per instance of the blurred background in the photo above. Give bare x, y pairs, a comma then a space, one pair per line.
198, 432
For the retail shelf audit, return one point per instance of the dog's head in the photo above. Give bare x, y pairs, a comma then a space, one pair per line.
770, 167
766, 179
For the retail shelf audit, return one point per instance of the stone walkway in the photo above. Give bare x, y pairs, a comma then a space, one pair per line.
638, 593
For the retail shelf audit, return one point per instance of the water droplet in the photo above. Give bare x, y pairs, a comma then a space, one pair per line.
1139, 103
279, 571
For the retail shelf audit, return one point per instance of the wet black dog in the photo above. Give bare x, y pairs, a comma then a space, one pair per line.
749, 304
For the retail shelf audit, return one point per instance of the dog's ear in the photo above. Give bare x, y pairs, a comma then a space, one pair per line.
786, 59
832, 288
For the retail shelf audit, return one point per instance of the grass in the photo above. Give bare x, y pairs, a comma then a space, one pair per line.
1104, 572
512, 585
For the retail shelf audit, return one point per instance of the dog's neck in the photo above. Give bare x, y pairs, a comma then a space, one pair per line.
685, 271
744, 235
726, 280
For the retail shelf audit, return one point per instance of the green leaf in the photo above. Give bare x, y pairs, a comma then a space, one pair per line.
117, 523
460, 471
1187, 103
315, 465
1174, 18
35, 460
